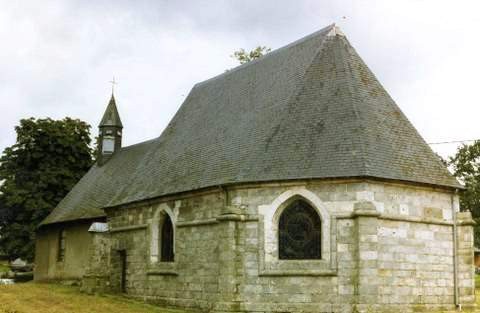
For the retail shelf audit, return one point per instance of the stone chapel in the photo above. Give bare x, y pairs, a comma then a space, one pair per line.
292, 183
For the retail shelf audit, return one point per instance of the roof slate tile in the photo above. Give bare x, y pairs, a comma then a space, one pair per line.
311, 109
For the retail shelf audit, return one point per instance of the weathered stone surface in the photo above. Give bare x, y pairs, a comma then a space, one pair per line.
386, 250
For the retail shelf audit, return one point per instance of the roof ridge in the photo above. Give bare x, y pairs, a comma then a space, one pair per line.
298, 87
354, 106
369, 170
270, 54
317, 52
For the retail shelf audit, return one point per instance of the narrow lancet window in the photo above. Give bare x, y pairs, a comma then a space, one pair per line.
167, 253
299, 232
61, 245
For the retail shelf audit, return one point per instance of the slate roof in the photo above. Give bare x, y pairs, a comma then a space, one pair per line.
311, 109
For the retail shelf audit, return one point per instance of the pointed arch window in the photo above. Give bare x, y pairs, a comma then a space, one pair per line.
167, 240
299, 232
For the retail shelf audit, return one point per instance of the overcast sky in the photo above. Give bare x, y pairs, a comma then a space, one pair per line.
57, 57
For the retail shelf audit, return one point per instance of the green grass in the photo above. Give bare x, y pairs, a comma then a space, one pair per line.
52, 298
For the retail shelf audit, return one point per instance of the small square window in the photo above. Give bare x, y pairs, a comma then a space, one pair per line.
108, 145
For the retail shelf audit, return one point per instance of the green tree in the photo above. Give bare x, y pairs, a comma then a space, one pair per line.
48, 158
3, 212
243, 57
466, 167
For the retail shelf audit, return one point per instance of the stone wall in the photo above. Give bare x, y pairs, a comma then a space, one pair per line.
384, 247
465, 255
97, 271
193, 279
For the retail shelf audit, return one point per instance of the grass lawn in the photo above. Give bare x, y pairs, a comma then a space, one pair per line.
52, 298
43, 298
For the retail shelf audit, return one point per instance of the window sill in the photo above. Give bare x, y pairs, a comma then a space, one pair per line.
162, 272
162, 268
321, 267
280, 273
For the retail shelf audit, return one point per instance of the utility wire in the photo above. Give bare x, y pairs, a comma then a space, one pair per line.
454, 141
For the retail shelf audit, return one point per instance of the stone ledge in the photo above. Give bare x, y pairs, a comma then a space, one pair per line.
414, 219
162, 269
466, 223
164, 272
402, 218
237, 217
197, 222
218, 219
128, 228
273, 273
365, 213
465, 219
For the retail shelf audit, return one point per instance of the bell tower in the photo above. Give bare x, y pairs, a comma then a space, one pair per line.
109, 133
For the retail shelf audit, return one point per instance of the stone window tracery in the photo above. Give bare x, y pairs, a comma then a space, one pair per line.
297, 235
299, 232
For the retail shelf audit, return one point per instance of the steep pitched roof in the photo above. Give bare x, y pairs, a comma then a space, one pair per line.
111, 116
311, 109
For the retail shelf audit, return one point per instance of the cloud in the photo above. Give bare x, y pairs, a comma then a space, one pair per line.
58, 56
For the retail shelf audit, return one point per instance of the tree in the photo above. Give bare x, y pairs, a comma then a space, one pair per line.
48, 158
243, 57
2, 212
466, 166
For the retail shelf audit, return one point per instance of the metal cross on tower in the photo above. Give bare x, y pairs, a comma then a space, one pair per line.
113, 82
